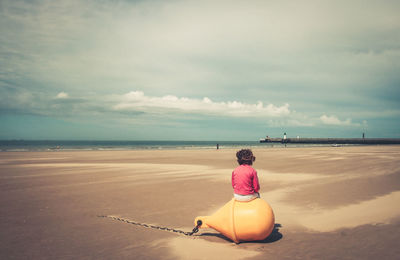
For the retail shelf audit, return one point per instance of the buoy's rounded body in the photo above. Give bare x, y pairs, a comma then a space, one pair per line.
242, 221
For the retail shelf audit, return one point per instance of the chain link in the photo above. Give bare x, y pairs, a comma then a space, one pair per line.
195, 230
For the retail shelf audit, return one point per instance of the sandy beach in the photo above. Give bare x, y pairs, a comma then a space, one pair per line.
329, 203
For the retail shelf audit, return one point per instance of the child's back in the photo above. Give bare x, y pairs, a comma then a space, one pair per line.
244, 178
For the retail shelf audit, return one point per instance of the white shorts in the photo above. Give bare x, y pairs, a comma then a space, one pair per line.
248, 197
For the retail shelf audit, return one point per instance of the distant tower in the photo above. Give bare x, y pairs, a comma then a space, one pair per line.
363, 135
284, 136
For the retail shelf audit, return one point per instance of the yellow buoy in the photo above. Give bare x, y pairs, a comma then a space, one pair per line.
241, 221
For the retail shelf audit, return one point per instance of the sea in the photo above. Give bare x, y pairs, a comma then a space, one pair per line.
86, 145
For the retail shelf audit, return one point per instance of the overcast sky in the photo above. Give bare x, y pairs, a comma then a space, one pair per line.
199, 70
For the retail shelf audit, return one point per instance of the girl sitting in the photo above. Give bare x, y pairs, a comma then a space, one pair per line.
244, 178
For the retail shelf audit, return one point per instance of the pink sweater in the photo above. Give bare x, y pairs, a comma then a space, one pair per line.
245, 180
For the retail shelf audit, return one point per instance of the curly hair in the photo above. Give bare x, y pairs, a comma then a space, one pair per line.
245, 156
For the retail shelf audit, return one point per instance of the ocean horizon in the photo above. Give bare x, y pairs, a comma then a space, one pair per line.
99, 145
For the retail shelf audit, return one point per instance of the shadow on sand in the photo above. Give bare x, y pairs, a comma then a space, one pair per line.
273, 237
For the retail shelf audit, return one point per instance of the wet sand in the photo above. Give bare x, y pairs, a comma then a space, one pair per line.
329, 203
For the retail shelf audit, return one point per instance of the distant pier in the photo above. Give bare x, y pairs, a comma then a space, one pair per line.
331, 140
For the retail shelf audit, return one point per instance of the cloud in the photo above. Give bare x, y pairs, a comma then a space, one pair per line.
333, 120
62, 95
214, 47
138, 101
232, 53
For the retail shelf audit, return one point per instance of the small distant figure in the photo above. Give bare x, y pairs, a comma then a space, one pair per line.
363, 135
284, 139
217, 146
244, 178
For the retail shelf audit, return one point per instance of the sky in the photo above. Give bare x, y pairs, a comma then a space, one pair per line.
198, 70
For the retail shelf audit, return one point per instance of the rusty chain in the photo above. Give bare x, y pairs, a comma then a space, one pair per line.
195, 230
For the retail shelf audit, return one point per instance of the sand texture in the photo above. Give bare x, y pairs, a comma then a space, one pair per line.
329, 203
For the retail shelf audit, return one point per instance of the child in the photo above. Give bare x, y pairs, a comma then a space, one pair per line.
244, 177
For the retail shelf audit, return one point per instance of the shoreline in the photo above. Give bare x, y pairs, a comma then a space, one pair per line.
221, 147
27, 146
